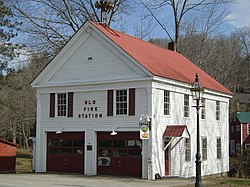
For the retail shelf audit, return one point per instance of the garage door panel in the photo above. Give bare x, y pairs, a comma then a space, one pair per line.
120, 154
65, 152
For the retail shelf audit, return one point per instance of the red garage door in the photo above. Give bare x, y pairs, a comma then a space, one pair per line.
65, 152
120, 154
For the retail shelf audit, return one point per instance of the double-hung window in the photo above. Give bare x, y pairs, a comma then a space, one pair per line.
218, 148
61, 104
204, 148
203, 109
217, 110
166, 102
186, 105
121, 102
187, 149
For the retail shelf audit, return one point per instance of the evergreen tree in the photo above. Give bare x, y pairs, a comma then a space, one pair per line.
8, 30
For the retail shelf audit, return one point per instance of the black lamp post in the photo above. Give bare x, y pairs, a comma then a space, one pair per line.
197, 94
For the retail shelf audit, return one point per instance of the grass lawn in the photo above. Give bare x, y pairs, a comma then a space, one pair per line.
23, 161
225, 182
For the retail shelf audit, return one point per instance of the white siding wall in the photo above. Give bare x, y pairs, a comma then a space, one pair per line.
92, 125
209, 127
103, 63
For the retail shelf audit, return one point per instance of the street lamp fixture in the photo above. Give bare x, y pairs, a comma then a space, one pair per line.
197, 93
147, 120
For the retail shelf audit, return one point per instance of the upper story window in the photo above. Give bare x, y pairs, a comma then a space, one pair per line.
217, 110
204, 148
203, 109
237, 128
248, 126
166, 102
187, 149
218, 148
121, 101
61, 104
186, 105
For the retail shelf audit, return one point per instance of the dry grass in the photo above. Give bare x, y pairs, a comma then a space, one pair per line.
23, 161
225, 182
23, 165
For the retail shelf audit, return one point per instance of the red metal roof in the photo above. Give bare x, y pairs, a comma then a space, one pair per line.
174, 131
160, 61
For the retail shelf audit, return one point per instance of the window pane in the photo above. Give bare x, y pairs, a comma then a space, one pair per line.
54, 151
166, 102
217, 110
105, 143
119, 143
120, 153
187, 149
134, 153
61, 104
78, 151
77, 143
104, 152
66, 151
54, 143
186, 105
204, 148
67, 143
134, 144
121, 102
218, 148
203, 109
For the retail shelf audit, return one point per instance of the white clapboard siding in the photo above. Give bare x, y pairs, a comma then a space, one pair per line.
91, 57
209, 128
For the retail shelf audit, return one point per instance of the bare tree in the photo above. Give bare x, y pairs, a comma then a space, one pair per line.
210, 12
243, 35
144, 26
50, 23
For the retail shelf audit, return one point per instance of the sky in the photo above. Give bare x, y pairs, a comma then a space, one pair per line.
240, 15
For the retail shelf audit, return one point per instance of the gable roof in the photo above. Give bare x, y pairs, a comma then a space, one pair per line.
160, 61
176, 131
7, 142
243, 117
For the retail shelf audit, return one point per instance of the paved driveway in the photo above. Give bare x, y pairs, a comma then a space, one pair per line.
56, 180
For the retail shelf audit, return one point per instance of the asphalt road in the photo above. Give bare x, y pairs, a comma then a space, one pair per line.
58, 180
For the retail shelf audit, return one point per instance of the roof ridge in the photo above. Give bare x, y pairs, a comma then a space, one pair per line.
160, 61
140, 40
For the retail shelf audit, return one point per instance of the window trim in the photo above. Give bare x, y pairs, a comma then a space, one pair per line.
217, 110
56, 105
218, 149
186, 106
204, 149
166, 95
203, 109
188, 149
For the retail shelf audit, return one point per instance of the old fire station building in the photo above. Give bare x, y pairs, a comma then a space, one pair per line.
92, 96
